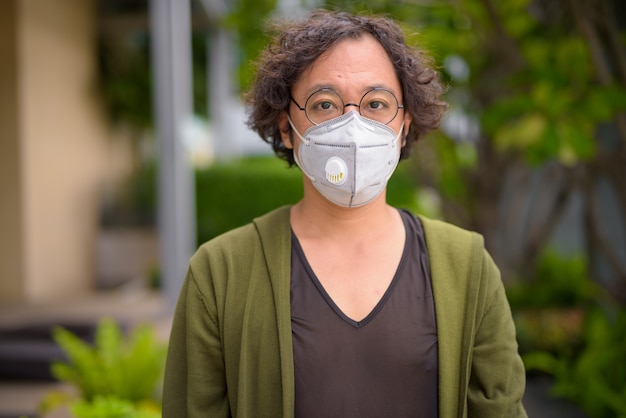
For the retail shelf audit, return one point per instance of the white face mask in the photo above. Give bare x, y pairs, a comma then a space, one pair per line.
349, 159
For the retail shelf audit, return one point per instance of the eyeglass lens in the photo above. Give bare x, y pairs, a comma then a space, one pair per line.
378, 104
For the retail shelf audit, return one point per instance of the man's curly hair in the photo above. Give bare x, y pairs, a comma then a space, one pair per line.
298, 43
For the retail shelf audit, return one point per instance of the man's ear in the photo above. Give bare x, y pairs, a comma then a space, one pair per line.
407, 124
285, 130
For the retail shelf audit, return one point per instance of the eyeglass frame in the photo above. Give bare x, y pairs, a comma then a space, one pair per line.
303, 109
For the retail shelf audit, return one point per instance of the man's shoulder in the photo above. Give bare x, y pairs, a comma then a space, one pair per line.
443, 227
447, 242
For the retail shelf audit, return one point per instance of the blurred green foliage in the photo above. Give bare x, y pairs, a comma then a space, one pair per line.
529, 81
568, 327
116, 374
559, 282
125, 77
594, 377
231, 193
548, 309
533, 85
247, 21
557, 331
112, 407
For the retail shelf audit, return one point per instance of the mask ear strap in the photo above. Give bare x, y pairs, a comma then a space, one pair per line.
401, 134
306, 141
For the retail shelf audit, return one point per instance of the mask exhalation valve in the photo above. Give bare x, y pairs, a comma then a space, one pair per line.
336, 170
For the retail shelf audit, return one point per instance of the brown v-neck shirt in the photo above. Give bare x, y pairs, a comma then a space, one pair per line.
382, 366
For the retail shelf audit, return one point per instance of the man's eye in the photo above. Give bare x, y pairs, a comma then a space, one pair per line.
376, 105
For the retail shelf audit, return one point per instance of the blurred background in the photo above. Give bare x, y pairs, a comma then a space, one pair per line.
123, 146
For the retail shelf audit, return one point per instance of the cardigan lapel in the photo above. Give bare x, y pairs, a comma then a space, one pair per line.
274, 231
452, 254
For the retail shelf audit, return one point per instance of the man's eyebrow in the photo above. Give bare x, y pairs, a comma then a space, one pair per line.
321, 86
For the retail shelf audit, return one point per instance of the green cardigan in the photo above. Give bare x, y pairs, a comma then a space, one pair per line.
230, 351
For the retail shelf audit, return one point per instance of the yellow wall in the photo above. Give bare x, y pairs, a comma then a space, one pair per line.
56, 146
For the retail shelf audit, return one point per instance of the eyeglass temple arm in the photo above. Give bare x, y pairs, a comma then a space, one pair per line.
297, 105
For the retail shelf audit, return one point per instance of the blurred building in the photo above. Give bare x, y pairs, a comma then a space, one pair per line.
60, 154
56, 149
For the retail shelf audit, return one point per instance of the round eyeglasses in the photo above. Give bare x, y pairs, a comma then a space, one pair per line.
378, 104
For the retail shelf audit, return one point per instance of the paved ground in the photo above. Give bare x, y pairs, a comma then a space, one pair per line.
136, 305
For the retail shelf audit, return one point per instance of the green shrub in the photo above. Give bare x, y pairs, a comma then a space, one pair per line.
554, 330
568, 328
559, 281
231, 193
594, 377
549, 309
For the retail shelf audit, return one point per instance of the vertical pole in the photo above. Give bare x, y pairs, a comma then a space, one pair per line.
220, 92
173, 106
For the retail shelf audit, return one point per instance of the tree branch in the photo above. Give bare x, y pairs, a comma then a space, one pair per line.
615, 45
508, 45
582, 15
615, 172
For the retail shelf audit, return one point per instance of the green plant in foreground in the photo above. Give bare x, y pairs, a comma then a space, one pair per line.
115, 374
112, 407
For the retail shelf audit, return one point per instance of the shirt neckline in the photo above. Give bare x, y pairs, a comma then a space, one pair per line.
388, 292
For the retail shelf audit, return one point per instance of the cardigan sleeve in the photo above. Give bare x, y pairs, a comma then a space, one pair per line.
497, 375
195, 383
